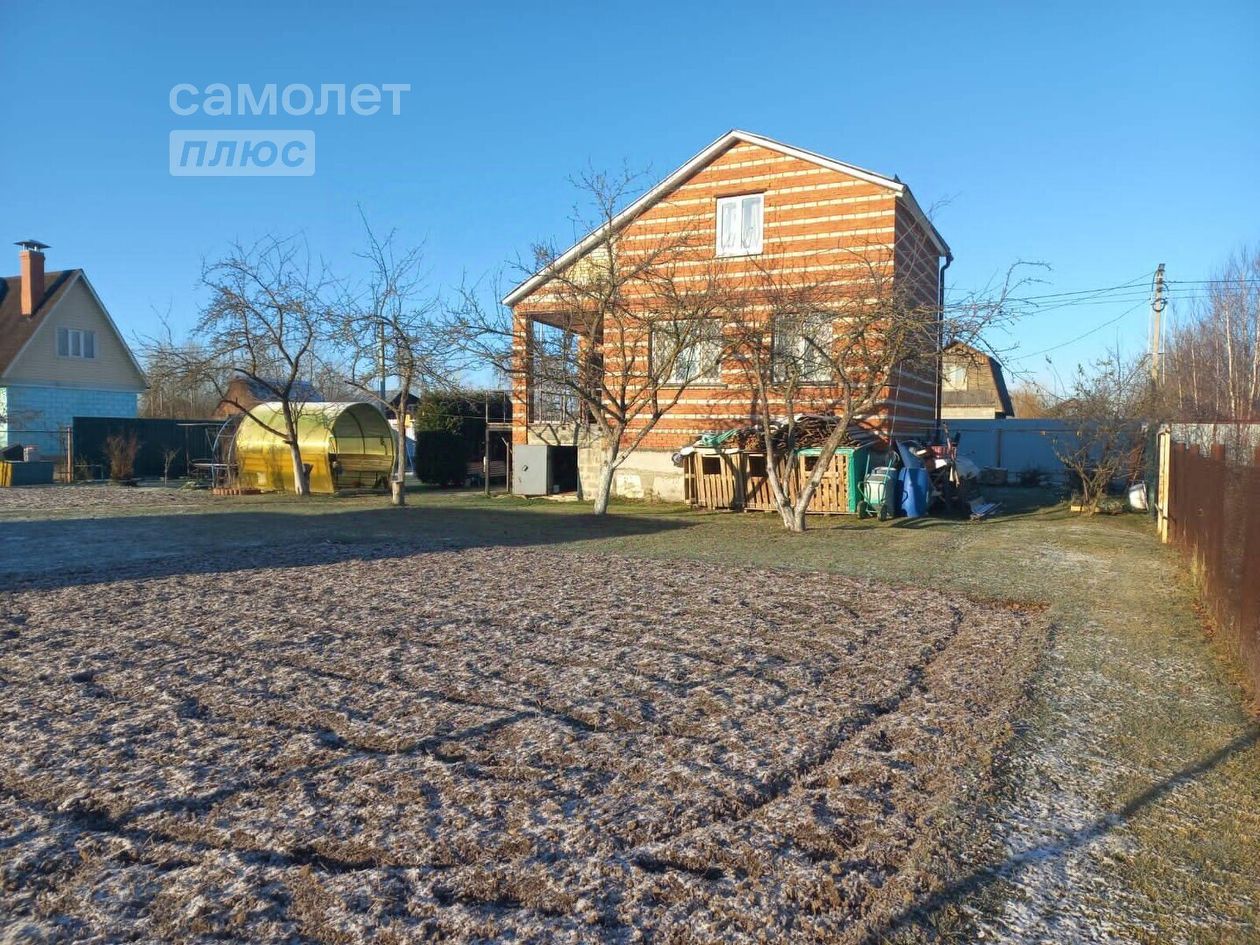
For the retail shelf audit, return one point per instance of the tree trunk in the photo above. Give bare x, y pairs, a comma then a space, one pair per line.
398, 480
793, 518
301, 485
603, 488
778, 491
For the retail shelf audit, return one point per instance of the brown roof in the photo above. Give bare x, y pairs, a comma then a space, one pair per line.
16, 328
968, 398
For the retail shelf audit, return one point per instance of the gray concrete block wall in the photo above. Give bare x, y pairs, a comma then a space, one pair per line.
36, 415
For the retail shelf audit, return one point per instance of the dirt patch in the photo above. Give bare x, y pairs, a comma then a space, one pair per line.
463, 745
99, 498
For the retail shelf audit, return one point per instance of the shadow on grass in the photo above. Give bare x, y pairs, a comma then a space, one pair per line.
67, 552
1017, 505
920, 914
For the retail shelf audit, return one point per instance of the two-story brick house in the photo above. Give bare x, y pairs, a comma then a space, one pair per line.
763, 207
61, 355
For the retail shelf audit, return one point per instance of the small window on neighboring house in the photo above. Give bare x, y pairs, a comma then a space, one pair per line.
955, 376
76, 343
739, 225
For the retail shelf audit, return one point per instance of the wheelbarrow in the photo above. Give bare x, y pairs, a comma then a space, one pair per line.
879, 493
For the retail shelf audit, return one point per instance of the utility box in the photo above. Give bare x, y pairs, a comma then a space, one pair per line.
539, 469
531, 469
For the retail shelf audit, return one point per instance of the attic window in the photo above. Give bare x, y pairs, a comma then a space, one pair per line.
739, 225
955, 376
76, 343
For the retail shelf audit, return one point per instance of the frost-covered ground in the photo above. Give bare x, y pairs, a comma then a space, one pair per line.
468, 745
100, 498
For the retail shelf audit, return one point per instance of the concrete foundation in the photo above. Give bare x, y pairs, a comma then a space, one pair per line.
646, 474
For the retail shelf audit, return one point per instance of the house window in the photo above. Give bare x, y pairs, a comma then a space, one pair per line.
688, 350
802, 349
955, 376
76, 343
739, 225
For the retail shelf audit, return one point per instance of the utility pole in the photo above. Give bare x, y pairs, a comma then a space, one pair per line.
485, 457
381, 354
1158, 302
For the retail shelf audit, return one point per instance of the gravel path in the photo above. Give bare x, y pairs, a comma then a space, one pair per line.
463, 745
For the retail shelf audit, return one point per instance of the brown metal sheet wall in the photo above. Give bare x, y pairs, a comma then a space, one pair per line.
1214, 520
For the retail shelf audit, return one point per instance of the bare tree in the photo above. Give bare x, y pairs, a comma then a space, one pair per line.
839, 351
387, 331
169, 456
1107, 403
1211, 367
120, 454
264, 320
621, 333
1031, 402
177, 384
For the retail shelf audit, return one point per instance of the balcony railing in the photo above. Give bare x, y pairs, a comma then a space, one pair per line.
554, 405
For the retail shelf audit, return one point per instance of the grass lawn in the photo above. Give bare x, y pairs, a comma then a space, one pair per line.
1126, 808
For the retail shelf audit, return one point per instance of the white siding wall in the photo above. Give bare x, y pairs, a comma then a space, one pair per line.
39, 363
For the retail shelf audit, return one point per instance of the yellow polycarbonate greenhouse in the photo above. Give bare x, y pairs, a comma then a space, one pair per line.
345, 445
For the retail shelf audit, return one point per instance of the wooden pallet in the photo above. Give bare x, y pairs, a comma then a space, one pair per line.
234, 490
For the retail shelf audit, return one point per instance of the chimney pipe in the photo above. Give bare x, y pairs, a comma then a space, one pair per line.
32, 269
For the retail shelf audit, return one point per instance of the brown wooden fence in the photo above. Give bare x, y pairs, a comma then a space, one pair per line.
1213, 518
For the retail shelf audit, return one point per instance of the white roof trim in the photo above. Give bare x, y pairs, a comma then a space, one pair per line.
696, 163
80, 275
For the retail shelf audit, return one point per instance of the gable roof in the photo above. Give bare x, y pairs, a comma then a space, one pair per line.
17, 330
264, 389
701, 159
995, 369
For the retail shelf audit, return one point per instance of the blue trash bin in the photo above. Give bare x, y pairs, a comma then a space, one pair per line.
915, 486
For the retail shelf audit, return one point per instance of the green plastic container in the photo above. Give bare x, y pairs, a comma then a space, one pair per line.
857, 459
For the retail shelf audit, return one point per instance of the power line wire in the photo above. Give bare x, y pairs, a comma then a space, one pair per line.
1248, 280
1070, 341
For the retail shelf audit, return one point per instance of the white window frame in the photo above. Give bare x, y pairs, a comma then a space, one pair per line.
79, 343
740, 246
796, 341
954, 376
708, 375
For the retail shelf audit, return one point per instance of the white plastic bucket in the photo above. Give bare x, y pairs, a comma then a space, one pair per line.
1137, 496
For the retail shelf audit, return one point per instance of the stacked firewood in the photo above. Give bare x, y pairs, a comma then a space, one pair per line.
811, 430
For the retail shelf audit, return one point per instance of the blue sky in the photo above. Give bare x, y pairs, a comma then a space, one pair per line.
1100, 139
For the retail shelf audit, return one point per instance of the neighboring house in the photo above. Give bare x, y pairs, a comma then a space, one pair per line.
394, 397
771, 208
972, 385
61, 355
244, 393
